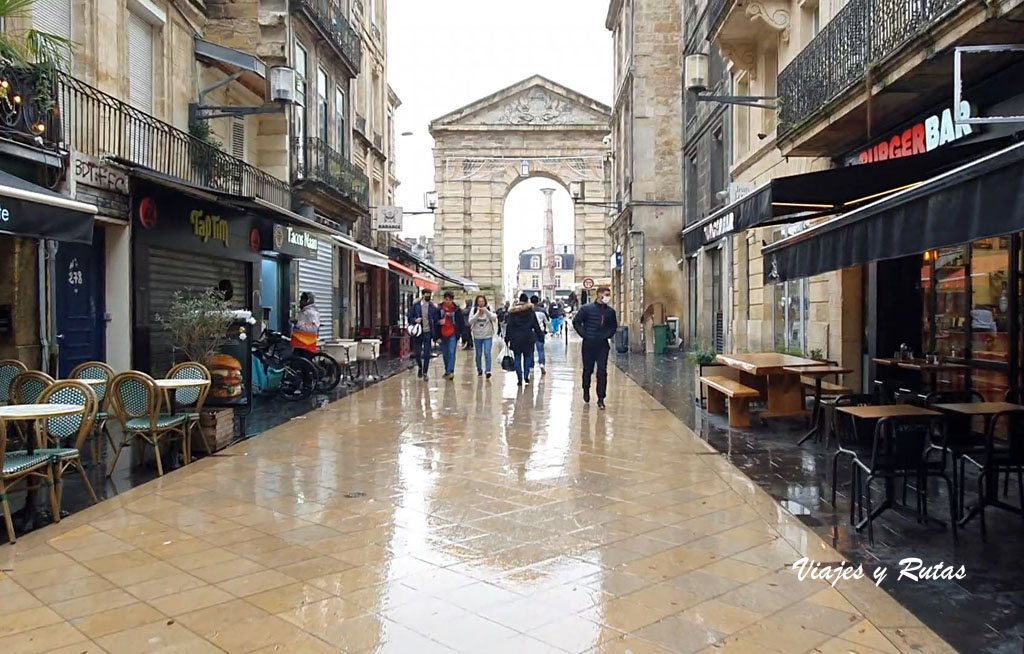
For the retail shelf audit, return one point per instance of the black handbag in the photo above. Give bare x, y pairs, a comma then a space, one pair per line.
508, 364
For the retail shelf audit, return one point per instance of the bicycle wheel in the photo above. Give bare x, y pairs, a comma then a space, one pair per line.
329, 371
298, 379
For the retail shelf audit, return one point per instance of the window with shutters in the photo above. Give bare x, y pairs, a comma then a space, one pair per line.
238, 137
299, 115
52, 17
321, 104
341, 137
140, 63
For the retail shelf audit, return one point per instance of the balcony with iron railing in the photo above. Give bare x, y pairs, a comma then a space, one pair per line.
330, 19
64, 113
316, 166
864, 36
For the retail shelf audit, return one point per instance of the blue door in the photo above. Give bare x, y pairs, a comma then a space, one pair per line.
79, 286
270, 292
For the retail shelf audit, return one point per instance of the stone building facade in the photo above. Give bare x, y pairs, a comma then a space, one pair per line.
813, 56
647, 146
707, 134
529, 275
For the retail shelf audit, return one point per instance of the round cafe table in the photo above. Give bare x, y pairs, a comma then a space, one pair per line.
173, 385
34, 413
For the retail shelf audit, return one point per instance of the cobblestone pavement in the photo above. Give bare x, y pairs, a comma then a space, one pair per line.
467, 516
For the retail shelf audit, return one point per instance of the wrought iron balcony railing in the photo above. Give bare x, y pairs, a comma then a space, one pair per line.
330, 18
862, 34
316, 161
98, 124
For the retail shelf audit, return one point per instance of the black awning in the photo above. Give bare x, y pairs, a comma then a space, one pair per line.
982, 199
27, 209
827, 192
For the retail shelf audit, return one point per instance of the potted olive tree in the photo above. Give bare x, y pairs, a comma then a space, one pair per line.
198, 321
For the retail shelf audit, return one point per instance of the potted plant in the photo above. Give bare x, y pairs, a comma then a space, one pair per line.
198, 321
701, 356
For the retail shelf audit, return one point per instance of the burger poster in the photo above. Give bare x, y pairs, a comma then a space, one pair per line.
230, 374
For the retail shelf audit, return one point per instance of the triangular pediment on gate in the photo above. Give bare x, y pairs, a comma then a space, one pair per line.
533, 102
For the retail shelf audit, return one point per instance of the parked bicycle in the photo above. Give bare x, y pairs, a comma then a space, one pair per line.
299, 375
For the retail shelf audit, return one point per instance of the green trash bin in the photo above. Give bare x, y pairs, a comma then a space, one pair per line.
660, 338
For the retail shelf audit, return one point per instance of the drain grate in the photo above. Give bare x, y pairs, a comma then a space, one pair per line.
354, 495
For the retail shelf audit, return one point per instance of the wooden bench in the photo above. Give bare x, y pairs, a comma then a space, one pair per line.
722, 388
827, 388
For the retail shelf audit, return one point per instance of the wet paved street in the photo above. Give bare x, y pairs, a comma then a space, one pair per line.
466, 516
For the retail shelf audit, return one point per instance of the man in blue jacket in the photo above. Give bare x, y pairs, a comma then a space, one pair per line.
426, 315
596, 323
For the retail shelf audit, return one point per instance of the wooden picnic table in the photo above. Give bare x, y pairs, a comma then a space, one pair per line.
766, 372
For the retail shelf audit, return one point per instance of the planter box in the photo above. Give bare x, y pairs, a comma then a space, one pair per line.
218, 427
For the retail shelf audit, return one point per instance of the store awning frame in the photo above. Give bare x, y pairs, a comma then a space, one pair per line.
33, 211
399, 268
365, 254
980, 199
468, 285
794, 198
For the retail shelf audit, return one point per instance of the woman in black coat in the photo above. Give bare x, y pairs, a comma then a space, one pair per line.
522, 333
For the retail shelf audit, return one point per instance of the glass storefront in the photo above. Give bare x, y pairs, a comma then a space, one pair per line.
967, 311
792, 308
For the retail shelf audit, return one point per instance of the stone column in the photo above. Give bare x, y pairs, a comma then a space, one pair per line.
548, 281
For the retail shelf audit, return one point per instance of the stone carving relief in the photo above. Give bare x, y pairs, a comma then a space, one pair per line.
537, 107
740, 56
774, 14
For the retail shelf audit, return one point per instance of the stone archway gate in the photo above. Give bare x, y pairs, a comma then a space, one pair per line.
535, 128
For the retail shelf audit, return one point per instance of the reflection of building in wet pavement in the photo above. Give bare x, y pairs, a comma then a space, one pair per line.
462, 517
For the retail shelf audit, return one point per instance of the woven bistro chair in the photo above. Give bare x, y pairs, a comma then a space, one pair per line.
9, 369
17, 468
64, 437
136, 400
97, 370
28, 386
191, 399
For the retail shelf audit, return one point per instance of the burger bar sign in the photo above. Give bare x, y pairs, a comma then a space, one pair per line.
933, 132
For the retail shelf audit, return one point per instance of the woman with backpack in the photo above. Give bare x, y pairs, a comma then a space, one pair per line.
452, 323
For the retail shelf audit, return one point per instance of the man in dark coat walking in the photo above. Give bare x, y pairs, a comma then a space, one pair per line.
522, 334
595, 322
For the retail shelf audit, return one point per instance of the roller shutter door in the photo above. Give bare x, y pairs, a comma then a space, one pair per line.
317, 277
171, 271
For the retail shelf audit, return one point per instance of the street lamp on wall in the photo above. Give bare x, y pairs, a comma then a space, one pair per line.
696, 74
578, 191
524, 169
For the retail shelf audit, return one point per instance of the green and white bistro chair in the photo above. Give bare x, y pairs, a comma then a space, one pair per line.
28, 386
136, 400
22, 469
191, 400
9, 369
63, 437
96, 370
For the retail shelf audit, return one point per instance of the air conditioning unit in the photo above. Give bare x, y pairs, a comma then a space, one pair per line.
284, 83
695, 72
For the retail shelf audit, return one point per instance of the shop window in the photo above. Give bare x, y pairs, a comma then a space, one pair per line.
792, 309
691, 299
990, 318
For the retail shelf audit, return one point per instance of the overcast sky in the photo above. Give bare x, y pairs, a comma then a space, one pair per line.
443, 54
